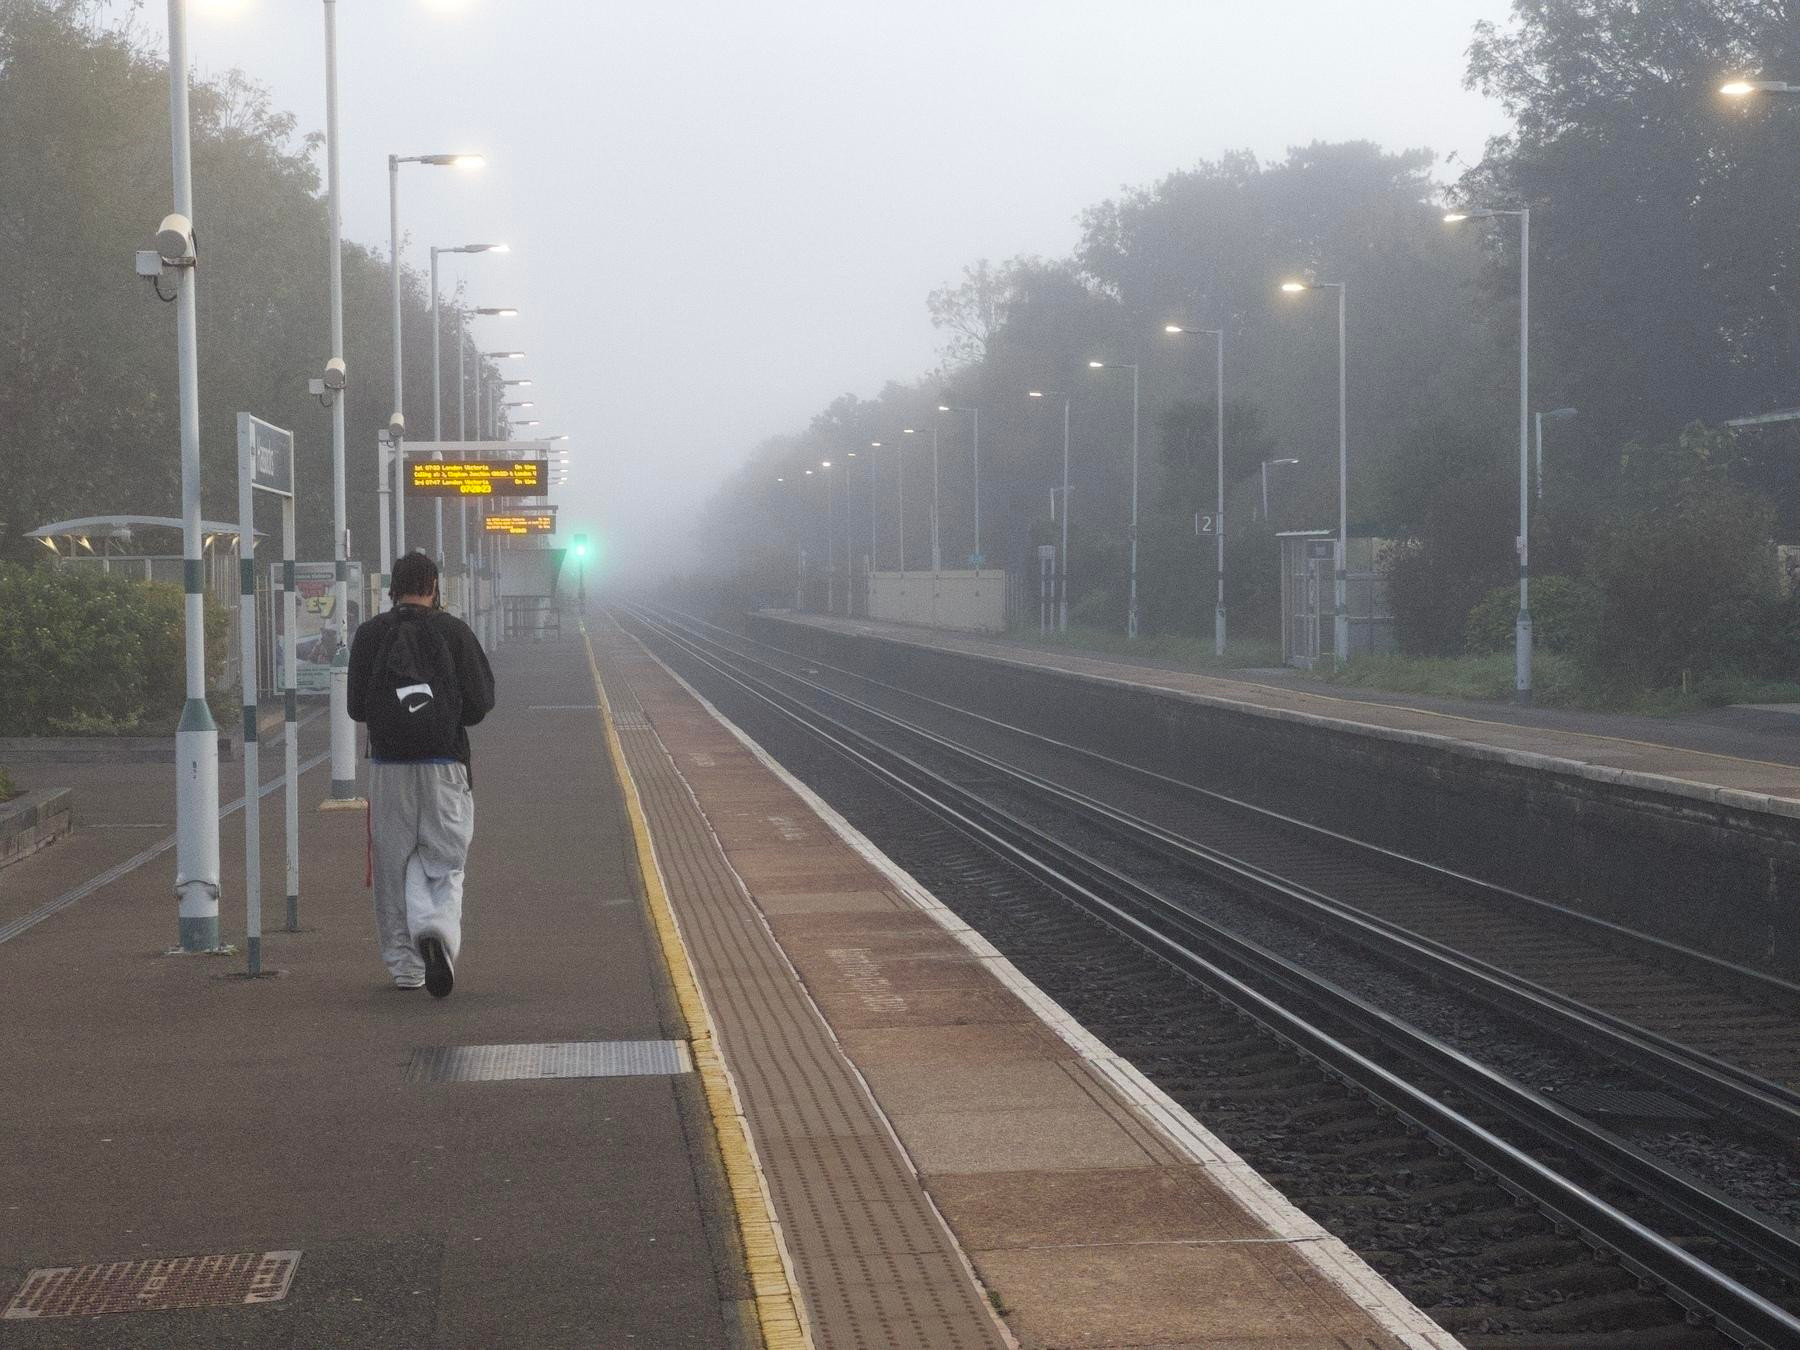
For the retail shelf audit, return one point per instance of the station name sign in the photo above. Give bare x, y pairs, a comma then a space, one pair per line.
533, 524
477, 477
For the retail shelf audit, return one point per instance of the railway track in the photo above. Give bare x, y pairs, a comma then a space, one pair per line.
1673, 1232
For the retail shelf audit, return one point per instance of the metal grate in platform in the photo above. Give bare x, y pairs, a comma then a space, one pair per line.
553, 1059
154, 1285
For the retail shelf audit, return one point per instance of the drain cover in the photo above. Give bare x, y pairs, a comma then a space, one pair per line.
154, 1285
1604, 1101
555, 1059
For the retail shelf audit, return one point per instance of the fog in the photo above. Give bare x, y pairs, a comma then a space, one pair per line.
723, 215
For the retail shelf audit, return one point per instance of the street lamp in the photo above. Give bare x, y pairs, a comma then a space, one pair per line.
1131, 603
1340, 631
197, 876
343, 731
1265, 481
1219, 510
397, 421
437, 396
1062, 552
974, 413
1744, 88
1554, 415
1522, 625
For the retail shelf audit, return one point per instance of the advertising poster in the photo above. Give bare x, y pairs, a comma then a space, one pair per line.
320, 631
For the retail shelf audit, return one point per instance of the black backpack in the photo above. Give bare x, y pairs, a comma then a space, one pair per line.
414, 696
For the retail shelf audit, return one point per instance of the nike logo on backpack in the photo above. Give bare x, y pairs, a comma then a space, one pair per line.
406, 701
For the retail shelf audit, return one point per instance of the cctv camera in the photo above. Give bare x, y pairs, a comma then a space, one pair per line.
396, 426
175, 239
334, 373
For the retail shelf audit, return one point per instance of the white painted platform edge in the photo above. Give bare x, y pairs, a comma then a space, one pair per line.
1391, 1310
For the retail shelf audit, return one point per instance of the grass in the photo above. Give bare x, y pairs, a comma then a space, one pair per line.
1556, 682
8, 788
1190, 653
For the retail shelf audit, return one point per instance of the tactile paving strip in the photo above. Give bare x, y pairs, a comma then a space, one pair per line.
875, 1265
154, 1285
564, 1059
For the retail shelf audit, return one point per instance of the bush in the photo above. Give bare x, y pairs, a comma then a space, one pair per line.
84, 653
1563, 616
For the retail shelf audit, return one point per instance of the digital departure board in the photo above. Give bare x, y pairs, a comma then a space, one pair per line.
536, 524
477, 477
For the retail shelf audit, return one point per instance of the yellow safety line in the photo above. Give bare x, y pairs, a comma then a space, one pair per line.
777, 1301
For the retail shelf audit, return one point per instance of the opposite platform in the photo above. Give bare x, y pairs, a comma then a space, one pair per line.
897, 1074
1692, 757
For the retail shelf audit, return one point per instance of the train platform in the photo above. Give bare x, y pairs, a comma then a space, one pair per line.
1746, 758
715, 1073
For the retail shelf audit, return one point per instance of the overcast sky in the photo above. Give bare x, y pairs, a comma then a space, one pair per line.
725, 213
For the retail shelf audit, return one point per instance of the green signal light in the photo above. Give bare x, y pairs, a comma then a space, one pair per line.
581, 548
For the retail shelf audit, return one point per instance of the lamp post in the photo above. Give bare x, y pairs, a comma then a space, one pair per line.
197, 735
1062, 550
975, 414
1522, 625
1265, 481
397, 420
343, 731
1340, 631
1131, 602
1219, 510
830, 544
1537, 468
437, 394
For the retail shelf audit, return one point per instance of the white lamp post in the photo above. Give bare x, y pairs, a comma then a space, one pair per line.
343, 730
1340, 631
437, 396
1522, 625
1131, 602
975, 414
397, 420
1062, 549
1265, 481
1219, 510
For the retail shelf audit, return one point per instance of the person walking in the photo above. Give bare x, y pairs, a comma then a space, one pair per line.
418, 680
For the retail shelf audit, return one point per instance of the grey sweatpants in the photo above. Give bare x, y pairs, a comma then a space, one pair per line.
422, 817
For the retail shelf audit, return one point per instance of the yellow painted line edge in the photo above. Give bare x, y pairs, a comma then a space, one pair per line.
773, 1288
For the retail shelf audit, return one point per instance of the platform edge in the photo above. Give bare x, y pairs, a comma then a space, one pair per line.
1330, 1256
774, 1289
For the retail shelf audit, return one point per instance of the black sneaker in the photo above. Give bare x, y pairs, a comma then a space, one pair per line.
439, 977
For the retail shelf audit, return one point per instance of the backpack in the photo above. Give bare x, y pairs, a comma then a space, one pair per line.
414, 696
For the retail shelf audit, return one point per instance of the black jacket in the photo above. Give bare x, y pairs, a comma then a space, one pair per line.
473, 676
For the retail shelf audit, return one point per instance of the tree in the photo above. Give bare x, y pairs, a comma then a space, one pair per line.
1664, 263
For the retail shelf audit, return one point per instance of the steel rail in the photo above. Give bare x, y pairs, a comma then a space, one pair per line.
1231, 962
1756, 983
1713, 1083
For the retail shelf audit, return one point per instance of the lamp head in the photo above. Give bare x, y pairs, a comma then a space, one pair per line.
1295, 287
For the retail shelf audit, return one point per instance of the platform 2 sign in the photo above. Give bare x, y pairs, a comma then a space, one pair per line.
534, 524
477, 477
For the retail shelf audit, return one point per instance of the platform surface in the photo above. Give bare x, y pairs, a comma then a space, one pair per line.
156, 1106
930, 1139
1744, 756
1096, 1212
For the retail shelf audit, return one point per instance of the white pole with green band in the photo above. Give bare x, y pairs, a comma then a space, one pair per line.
197, 736
265, 464
247, 682
290, 694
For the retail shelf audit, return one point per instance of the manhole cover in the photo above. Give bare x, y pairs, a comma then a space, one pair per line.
154, 1285
1605, 1101
556, 1059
